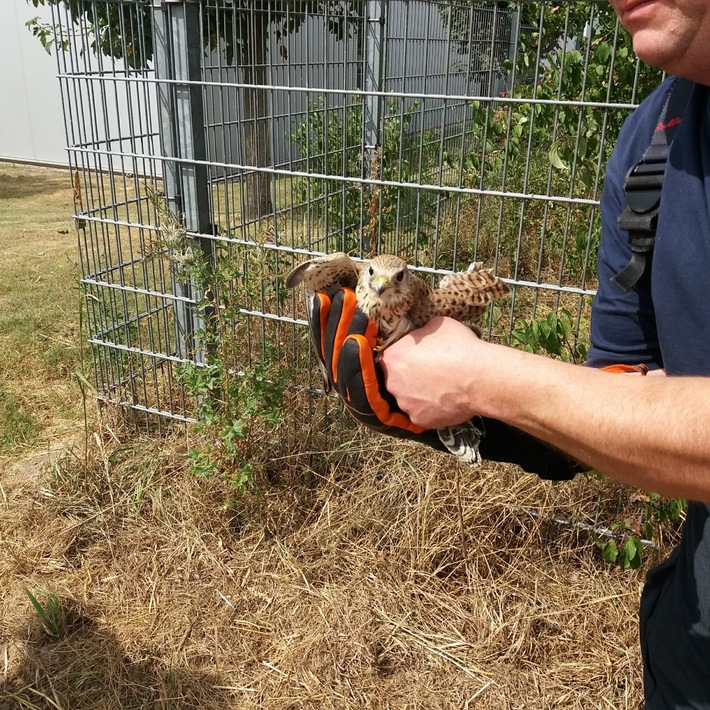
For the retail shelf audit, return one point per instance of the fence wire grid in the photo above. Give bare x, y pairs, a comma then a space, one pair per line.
266, 132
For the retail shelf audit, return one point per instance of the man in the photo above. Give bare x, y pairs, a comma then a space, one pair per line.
649, 432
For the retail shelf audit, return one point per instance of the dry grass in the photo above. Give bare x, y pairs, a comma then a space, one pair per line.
364, 573
347, 581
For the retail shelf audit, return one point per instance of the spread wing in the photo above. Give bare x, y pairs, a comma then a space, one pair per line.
466, 295
324, 273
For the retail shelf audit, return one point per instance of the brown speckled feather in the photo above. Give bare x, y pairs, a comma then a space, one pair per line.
399, 301
463, 296
324, 273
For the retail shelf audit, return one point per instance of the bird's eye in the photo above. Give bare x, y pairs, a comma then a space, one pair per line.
399, 276
371, 271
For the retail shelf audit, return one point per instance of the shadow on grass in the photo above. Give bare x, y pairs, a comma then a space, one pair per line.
17, 187
86, 666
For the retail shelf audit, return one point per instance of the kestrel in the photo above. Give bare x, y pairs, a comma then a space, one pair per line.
399, 301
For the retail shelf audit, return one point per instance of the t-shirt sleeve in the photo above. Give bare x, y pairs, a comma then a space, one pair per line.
623, 327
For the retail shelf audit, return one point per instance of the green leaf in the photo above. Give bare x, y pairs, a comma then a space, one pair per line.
648, 530
556, 159
535, 330
565, 321
610, 551
602, 52
630, 554
574, 56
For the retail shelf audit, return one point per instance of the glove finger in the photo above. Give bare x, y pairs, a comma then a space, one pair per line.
318, 308
362, 325
362, 386
336, 326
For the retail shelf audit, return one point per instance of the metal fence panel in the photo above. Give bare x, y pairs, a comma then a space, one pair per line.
447, 132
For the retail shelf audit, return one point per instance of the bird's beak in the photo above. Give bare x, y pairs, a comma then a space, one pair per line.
381, 284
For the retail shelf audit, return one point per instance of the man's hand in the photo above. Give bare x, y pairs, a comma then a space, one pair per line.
432, 357
433, 371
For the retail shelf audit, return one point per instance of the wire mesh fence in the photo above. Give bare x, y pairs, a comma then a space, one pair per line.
257, 133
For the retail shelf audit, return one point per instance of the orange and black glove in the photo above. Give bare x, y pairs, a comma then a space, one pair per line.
344, 338
621, 369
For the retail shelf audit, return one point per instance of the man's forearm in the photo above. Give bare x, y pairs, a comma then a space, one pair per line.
650, 432
653, 433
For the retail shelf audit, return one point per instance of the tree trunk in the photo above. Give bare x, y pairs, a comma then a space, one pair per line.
257, 140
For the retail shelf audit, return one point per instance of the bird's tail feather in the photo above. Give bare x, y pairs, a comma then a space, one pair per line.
463, 441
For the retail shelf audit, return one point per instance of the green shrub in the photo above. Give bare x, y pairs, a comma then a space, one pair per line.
331, 143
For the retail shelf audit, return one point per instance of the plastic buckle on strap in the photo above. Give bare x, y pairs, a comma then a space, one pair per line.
642, 189
642, 186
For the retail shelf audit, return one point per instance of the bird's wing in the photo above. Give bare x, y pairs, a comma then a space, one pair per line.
463, 440
465, 295
324, 273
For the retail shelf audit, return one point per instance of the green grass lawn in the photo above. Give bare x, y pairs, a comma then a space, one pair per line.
39, 309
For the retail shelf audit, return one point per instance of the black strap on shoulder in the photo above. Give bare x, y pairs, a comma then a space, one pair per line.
643, 184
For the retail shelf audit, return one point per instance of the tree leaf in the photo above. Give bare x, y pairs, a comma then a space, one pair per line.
630, 553
610, 551
602, 52
556, 159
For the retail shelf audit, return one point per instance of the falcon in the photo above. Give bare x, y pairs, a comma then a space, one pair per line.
399, 301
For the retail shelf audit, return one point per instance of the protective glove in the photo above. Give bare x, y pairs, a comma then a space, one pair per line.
344, 338
620, 369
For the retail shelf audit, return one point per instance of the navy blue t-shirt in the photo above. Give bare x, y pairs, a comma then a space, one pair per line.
664, 321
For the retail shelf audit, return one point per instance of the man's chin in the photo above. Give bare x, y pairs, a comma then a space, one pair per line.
653, 49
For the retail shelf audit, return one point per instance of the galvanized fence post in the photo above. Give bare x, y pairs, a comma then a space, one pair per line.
373, 105
178, 48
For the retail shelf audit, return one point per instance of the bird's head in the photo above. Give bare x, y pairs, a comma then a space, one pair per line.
387, 274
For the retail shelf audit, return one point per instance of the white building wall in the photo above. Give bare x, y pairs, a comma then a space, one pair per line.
31, 118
